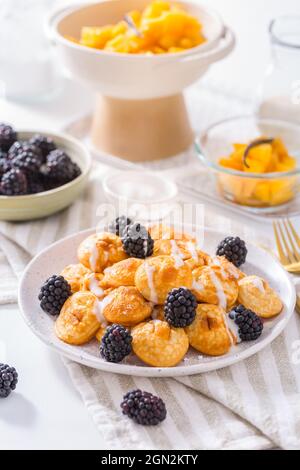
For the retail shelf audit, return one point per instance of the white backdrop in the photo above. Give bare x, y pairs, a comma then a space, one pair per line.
49, 413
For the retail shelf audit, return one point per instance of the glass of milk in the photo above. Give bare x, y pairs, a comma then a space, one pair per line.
27, 71
279, 96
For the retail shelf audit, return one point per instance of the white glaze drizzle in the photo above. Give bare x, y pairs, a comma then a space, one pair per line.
219, 288
94, 286
149, 272
108, 270
217, 263
192, 249
176, 253
233, 270
258, 283
166, 233
234, 328
228, 329
197, 286
94, 254
99, 307
106, 256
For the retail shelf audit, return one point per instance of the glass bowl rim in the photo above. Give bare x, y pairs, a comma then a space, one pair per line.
275, 37
172, 186
205, 158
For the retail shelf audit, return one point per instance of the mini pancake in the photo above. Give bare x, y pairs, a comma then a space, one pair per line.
158, 275
78, 321
74, 274
98, 251
209, 333
257, 295
158, 344
121, 273
126, 306
209, 286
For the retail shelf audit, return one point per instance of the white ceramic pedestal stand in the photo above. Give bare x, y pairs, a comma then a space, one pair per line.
140, 112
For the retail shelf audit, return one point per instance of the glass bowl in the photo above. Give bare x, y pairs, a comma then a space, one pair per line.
256, 190
141, 193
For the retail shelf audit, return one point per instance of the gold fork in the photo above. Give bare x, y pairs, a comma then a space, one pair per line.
298, 304
287, 241
288, 245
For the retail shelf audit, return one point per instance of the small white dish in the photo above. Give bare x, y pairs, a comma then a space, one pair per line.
146, 195
35, 206
57, 256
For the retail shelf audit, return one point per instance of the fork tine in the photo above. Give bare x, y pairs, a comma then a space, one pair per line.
298, 304
292, 244
296, 236
283, 259
288, 251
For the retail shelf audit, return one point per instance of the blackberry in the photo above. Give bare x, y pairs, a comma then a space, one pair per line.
3, 155
44, 143
137, 241
7, 137
27, 161
180, 307
14, 183
8, 380
53, 294
50, 184
20, 147
36, 183
5, 164
143, 407
119, 225
60, 167
250, 325
234, 249
116, 343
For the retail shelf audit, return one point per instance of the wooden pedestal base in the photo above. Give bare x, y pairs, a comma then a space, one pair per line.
141, 130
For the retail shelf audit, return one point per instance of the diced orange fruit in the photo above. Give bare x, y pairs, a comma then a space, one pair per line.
96, 37
261, 159
163, 27
156, 8
231, 163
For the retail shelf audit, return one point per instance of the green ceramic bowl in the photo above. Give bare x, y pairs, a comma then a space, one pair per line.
35, 206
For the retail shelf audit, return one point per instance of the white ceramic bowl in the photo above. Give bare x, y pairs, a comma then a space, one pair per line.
135, 76
35, 206
57, 256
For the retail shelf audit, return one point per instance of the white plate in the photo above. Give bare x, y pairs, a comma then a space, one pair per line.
57, 256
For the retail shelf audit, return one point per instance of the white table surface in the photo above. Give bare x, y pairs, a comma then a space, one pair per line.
46, 411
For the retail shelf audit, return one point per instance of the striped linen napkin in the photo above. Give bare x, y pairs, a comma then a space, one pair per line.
254, 404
